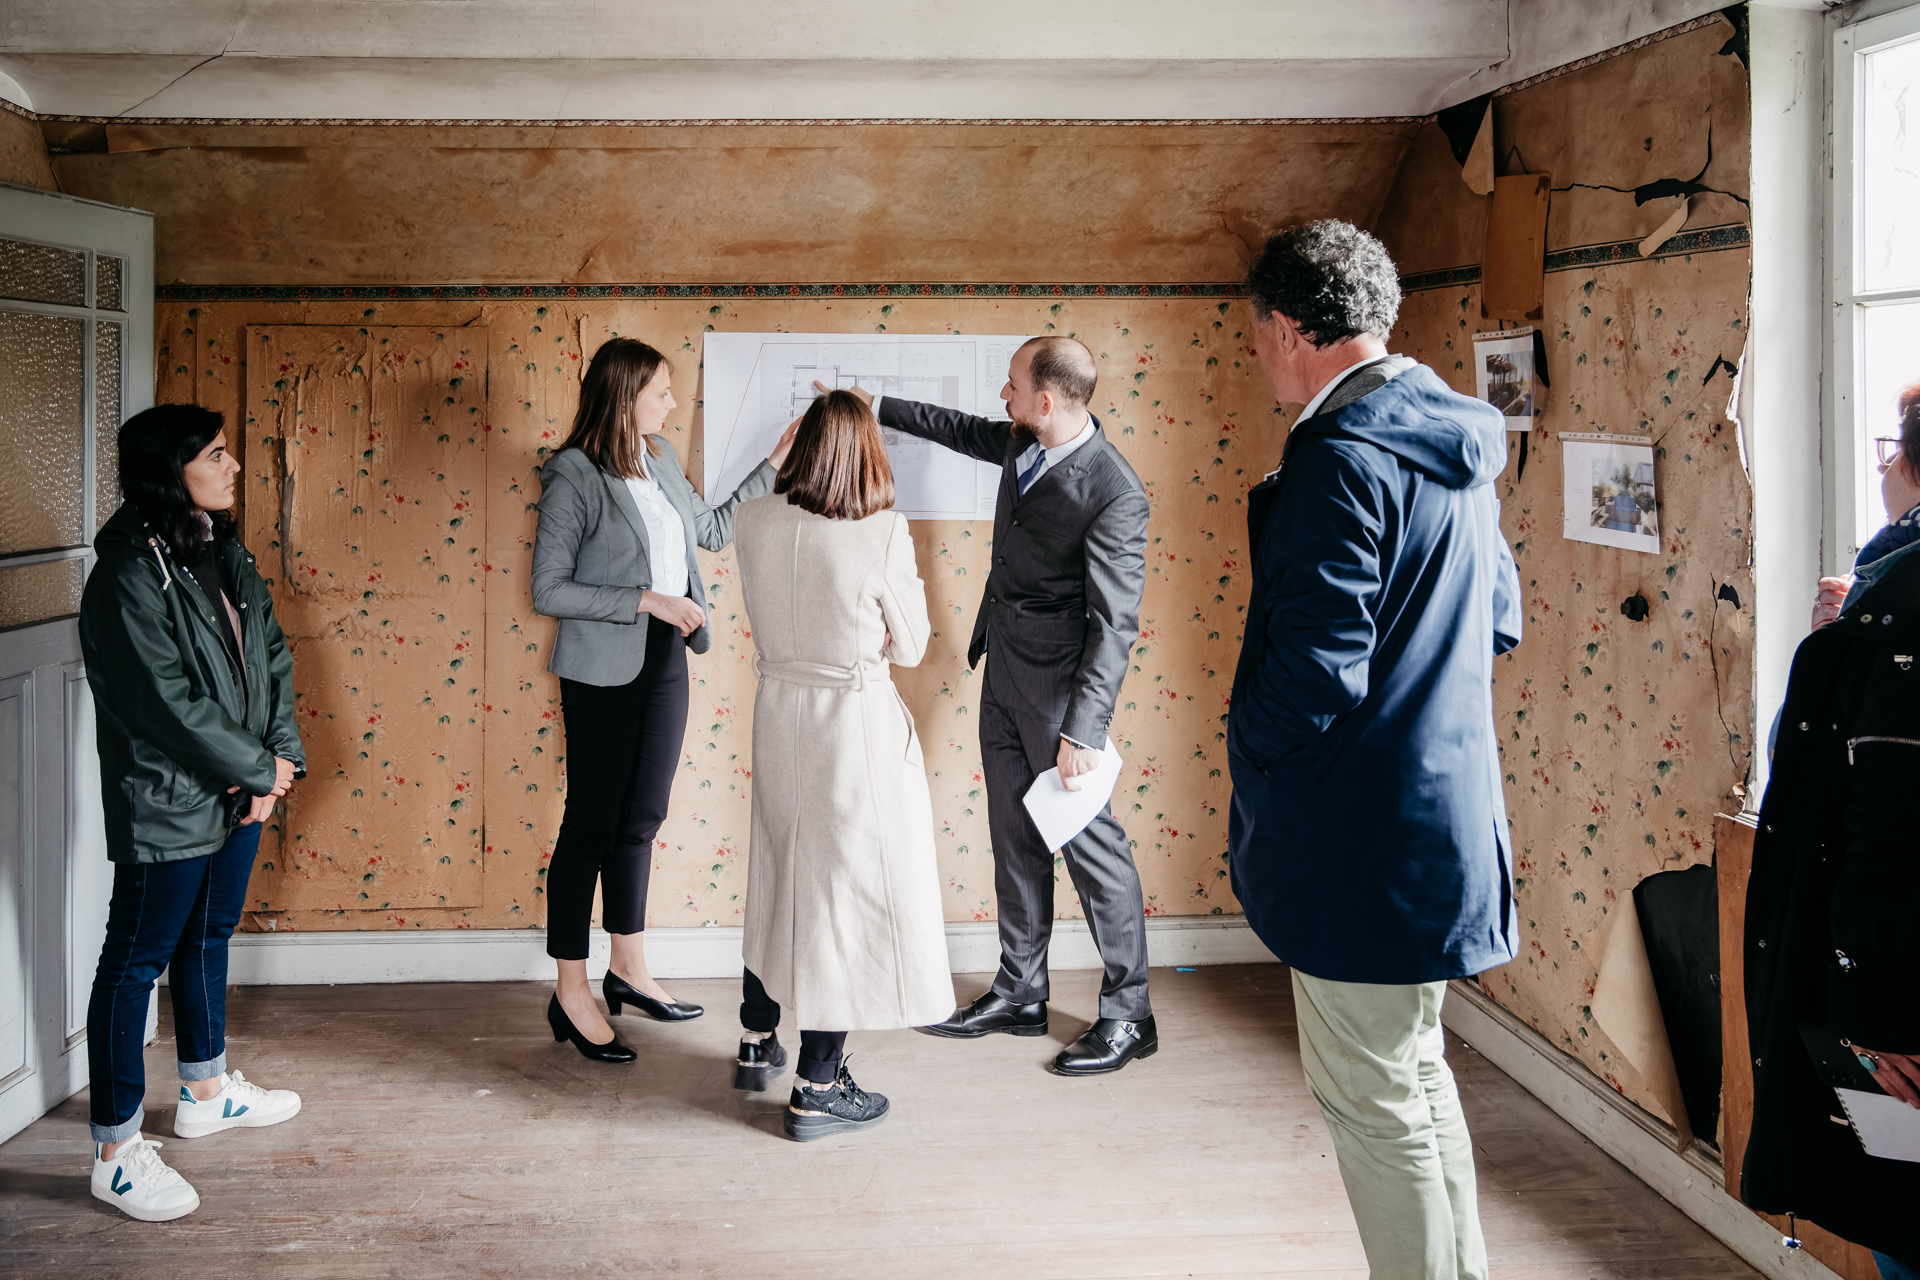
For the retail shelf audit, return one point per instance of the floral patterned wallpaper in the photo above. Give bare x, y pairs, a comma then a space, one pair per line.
1179, 394
1620, 739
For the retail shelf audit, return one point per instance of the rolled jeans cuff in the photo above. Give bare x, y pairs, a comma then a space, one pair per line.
122, 1131
204, 1070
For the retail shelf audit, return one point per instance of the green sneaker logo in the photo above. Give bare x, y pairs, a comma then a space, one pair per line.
229, 1113
115, 1182
186, 1095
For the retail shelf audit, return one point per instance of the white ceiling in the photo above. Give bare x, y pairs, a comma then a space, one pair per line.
793, 59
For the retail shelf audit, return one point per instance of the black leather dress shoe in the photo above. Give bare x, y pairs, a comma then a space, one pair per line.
563, 1029
993, 1012
758, 1062
1110, 1044
619, 991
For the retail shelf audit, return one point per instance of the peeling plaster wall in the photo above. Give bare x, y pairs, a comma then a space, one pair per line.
1621, 739
263, 204
273, 204
23, 153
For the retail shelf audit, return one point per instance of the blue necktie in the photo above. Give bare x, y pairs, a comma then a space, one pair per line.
1032, 473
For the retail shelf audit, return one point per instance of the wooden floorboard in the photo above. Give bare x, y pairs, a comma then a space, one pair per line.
444, 1133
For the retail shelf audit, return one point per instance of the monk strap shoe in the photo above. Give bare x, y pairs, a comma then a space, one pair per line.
1110, 1044
816, 1110
993, 1012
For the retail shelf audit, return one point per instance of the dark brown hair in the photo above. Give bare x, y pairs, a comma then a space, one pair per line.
1909, 405
603, 426
1063, 366
838, 467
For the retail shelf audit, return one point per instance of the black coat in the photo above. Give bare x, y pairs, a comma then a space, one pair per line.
1831, 931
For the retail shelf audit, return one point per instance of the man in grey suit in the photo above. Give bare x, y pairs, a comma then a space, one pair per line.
1061, 613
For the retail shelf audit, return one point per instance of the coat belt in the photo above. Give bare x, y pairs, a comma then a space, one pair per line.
820, 675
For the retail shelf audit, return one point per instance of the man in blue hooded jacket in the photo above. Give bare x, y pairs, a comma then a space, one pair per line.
1368, 831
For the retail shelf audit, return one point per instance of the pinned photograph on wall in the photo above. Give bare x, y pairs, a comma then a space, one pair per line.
1505, 374
1609, 491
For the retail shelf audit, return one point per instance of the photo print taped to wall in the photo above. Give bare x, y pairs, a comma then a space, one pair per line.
1507, 374
1609, 491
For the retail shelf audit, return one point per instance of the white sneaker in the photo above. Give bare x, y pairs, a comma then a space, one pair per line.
139, 1184
241, 1105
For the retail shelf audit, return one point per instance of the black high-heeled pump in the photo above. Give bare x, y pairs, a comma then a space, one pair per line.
563, 1029
619, 991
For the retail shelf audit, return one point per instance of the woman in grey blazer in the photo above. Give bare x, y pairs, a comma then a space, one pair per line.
614, 560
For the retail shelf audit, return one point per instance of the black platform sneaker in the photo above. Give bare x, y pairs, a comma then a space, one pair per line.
758, 1063
816, 1110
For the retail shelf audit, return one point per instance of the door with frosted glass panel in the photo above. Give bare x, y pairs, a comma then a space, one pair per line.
76, 357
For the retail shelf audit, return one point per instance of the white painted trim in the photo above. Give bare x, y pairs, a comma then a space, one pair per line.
520, 955
1693, 1182
1791, 535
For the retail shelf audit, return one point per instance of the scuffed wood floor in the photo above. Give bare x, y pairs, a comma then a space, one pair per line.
445, 1133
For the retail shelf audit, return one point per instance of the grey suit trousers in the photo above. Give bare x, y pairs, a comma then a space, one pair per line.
1016, 747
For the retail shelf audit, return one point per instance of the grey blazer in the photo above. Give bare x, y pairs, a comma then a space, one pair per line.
1069, 567
590, 560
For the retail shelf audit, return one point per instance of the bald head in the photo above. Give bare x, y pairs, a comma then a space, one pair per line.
1063, 366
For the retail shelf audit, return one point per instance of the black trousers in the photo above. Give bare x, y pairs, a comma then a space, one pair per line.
623, 748
820, 1051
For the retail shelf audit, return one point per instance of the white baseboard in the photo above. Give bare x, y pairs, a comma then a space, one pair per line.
1693, 1182
520, 955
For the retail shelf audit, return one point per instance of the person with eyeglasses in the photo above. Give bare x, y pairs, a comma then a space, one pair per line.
1830, 946
1899, 461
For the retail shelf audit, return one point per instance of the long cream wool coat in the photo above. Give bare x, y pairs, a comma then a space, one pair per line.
843, 917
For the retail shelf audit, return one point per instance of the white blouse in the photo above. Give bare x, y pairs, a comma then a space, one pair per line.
666, 536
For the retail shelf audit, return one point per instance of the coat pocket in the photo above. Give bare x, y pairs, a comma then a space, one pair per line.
913, 754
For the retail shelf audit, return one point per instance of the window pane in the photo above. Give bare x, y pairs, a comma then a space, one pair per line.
42, 273
1890, 167
42, 426
106, 283
1890, 360
38, 592
107, 337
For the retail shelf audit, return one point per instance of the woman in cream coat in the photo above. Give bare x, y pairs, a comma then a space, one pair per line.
843, 918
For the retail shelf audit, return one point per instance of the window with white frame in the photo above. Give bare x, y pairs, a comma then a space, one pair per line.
1876, 263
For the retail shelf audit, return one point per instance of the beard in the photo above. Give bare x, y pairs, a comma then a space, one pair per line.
1024, 433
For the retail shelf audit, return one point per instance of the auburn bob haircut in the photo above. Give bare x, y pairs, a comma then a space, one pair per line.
603, 426
838, 467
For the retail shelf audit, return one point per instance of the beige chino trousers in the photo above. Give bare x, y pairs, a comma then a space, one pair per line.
1375, 1059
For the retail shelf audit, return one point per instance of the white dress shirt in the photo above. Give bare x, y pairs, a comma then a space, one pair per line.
1055, 455
666, 536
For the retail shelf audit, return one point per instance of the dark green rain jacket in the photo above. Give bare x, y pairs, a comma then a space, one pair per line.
167, 698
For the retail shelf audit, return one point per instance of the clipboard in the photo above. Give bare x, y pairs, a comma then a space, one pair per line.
1887, 1128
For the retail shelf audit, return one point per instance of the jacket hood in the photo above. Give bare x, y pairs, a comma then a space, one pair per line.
125, 530
1455, 439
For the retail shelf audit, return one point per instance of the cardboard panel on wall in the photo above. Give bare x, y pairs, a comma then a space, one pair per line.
1513, 268
367, 516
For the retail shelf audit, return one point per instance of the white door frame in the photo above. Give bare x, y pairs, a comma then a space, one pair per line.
54, 875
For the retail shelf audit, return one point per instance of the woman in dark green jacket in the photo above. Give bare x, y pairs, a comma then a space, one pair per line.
193, 698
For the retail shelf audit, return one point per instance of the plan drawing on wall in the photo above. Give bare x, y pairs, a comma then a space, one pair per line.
757, 383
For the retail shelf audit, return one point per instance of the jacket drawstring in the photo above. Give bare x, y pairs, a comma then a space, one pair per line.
166, 578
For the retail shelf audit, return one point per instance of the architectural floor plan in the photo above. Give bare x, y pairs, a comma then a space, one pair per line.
757, 383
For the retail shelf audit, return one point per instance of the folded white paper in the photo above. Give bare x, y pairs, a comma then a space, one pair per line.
1060, 814
1888, 1127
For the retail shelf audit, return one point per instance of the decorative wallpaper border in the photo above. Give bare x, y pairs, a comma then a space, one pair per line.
1735, 235
1705, 240
691, 122
900, 290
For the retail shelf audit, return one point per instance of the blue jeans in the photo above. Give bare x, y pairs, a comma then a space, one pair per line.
1893, 1270
177, 914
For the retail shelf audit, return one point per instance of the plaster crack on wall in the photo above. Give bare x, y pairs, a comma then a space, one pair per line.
225, 47
1666, 188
